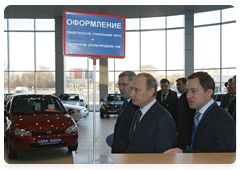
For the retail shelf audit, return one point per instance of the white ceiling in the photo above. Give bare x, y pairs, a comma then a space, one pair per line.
129, 11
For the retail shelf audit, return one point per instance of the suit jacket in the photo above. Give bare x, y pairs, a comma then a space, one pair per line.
122, 128
216, 132
155, 133
171, 104
185, 122
224, 100
232, 106
235, 118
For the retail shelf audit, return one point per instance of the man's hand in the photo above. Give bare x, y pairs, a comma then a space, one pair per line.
174, 150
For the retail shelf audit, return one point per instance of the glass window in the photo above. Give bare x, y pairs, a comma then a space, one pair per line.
45, 24
228, 14
207, 17
111, 83
72, 63
5, 24
45, 51
5, 46
5, 82
111, 62
45, 82
22, 79
153, 50
21, 24
131, 60
229, 45
175, 21
21, 51
207, 47
175, 51
153, 23
132, 23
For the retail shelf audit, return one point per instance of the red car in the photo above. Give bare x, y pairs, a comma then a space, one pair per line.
38, 121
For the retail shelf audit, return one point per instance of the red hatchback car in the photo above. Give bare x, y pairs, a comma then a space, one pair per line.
38, 121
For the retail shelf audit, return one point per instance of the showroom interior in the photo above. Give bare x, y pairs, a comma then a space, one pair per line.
167, 41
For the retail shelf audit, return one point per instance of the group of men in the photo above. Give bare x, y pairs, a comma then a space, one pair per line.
152, 121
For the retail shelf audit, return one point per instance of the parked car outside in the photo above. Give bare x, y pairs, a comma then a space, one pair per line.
218, 97
77, 112
111, 104
38, 121
73, 99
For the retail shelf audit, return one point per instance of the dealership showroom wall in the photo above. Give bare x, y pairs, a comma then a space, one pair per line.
167, 41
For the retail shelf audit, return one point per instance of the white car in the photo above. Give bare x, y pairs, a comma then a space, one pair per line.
77, 112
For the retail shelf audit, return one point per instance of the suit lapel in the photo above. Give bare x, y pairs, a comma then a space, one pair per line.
207, 118
143, 121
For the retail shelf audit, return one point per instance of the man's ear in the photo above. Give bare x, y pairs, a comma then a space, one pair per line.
210, 92
151, 91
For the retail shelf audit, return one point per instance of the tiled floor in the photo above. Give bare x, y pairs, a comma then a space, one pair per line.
104, 127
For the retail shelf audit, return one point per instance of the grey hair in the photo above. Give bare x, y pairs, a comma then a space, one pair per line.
131, 75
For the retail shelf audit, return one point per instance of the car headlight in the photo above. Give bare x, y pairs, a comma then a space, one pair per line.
72, 128
22, 132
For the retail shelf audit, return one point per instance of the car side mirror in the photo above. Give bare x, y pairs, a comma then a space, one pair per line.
81, 100
101, 100
71, 111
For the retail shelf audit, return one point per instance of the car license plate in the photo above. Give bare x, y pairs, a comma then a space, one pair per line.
112, 111
49, 141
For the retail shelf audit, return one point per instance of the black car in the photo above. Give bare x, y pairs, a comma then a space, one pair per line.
218, 97
111, 104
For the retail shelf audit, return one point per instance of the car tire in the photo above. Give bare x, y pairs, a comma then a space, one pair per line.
101, 115
12, 154
73, 148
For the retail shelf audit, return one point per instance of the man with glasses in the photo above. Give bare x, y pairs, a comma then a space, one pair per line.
126, 114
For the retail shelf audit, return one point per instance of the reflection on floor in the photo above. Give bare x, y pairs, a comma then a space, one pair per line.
104, 127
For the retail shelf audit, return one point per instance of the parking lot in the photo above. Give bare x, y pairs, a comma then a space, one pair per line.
104, 127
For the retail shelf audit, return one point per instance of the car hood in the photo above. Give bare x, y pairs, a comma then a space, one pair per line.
114, 102
70, 102
42, 122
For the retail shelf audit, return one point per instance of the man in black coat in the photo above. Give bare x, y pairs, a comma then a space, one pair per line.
234, 101
214, 129
168, 99
153, 129
185, 116
125, 117
225, 100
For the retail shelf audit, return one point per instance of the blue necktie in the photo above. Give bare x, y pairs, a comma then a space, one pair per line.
196, 119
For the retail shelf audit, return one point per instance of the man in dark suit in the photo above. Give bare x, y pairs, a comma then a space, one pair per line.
125, 117
153, 129
214, 129
234, 101
168, 99
227, 98
185, 116
234, 91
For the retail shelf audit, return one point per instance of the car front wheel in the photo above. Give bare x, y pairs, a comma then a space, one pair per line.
12, 154
73, 148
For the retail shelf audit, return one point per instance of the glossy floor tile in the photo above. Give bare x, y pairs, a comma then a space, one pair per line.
104, 127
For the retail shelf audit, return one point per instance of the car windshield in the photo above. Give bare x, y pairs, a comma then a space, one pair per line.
115, 97
70, 97
35, 105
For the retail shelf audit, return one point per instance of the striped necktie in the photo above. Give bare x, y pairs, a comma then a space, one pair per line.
138, 117
196, 119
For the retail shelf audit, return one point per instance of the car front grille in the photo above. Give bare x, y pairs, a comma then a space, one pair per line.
48, 132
